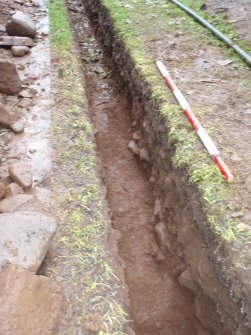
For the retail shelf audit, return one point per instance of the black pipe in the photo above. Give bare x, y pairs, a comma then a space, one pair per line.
216, 32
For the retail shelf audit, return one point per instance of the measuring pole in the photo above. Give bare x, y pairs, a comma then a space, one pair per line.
203, 135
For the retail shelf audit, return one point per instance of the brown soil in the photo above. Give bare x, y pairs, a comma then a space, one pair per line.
157, 302
238, 12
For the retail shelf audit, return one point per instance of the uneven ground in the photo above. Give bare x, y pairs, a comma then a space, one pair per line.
131, 226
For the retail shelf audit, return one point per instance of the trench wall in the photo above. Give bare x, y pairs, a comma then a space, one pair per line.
180, 224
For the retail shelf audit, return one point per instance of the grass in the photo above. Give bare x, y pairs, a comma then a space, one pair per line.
82, 267
129, 19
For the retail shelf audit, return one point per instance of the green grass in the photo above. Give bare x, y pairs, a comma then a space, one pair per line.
82, 260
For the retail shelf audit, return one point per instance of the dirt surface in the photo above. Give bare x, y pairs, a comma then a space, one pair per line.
238, 12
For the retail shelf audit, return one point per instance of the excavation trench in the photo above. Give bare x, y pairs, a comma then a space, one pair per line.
171, 285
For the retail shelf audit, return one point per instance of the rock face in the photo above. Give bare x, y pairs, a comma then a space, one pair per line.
30, 304
12, 189
19, 51
21, 25
13, 203
10, 82
7, 116
20, 173
25, 238
16, 40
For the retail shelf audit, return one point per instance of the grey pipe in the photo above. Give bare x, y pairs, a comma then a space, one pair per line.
216, 32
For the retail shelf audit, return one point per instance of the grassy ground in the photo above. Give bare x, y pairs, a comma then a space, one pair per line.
219, 197
81, 264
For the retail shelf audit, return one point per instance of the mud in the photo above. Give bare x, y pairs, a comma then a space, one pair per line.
151, 206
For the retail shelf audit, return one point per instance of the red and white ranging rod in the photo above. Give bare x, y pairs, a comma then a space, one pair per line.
203, 135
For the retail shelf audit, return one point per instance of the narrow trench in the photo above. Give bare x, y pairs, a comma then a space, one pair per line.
158, 304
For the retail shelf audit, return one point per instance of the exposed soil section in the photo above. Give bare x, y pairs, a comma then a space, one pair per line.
178, 214
151, 243
157, 303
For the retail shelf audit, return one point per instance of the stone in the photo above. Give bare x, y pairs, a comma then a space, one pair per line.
13, 189
25, 237
10, 82
20, 173
162, 236
7, 115
12, 203
207, 314
133, 148
144, 155
2, 29
2, 190
19, 51
21, 25
17, 127
25, 103
30, 304
186, 280
16, 41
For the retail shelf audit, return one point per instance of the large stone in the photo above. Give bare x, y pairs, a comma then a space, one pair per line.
21, 25
30, 304
8, 41
14, 202
186, 280
13, 189
21, 174
25, 238
19, 51
8, 116
10, 82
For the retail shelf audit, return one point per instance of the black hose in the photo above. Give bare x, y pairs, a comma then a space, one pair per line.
216, 32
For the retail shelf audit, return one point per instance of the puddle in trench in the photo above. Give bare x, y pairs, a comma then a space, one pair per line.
158, 305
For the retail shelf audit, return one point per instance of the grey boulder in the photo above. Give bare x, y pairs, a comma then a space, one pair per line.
7, 41
21, 25
25, 238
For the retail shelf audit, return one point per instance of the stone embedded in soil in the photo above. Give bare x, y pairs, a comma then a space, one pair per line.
25, 237
133, 148
10, 82
19, 51
7, 115
21, 174
21, 25
2, 190
17, 127
16, 41
14, 202
144, 155
13, 189
30, 304
186, 280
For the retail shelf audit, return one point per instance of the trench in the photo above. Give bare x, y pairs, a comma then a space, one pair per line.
147, 203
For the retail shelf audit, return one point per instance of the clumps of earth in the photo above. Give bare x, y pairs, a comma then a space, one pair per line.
29, 303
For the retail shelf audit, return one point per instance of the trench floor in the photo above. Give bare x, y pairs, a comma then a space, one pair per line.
157, 304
